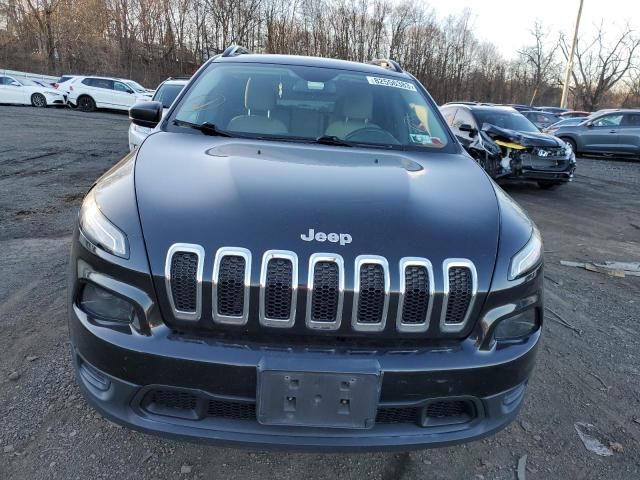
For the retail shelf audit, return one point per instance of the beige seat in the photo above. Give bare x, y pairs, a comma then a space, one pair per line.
259, 100
356, 113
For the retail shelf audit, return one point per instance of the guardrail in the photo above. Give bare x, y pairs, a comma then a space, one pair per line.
34, 76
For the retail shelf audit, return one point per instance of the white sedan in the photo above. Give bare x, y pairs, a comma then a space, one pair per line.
22, 91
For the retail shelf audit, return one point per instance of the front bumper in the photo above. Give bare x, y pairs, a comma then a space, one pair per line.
117, 370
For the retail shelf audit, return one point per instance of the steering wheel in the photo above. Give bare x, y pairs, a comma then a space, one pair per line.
372, 135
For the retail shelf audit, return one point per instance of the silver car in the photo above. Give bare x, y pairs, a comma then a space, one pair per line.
614, 132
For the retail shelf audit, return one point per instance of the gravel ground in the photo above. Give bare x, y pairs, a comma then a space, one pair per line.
588, 367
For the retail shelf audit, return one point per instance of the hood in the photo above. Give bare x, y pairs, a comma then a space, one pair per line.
218, 192
526, 139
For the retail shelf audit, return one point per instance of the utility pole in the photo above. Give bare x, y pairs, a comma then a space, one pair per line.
567, 74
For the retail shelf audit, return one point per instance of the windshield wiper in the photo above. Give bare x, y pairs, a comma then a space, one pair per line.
206, 128
332, 140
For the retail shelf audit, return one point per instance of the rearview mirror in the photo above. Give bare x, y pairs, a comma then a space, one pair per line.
465, 127
146, 114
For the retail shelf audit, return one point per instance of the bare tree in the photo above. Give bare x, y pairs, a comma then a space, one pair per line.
540, 58
600, 65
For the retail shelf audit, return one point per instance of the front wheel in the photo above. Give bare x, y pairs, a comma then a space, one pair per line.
86, 104
38, 100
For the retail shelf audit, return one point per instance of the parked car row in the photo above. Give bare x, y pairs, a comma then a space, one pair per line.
23, 91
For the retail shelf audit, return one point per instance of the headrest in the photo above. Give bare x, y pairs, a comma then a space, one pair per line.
358, 104
259, 94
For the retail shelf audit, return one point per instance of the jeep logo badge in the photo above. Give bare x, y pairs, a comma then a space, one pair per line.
342, 238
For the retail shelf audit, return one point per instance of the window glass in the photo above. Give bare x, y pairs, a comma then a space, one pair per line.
167, 93
88, 82
505, 119
632, 119
608, 121
463, 117
5, 81
290, 102
120, 87
449, 114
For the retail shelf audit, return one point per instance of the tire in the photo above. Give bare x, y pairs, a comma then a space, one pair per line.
547, 184
571, 143
86, 104
38, 100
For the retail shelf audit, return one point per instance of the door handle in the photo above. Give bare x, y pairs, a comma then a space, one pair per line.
613, 131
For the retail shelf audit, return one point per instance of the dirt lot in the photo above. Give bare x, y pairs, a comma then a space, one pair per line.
588, 368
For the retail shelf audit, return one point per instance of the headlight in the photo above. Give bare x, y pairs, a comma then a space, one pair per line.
99, 230
518, 326
103, 305
527, 258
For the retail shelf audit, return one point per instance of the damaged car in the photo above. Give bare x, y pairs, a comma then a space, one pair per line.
508, 146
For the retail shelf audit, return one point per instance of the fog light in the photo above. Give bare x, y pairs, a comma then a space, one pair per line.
104, 305
518, 326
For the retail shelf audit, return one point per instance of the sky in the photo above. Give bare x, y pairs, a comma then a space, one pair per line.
507, 23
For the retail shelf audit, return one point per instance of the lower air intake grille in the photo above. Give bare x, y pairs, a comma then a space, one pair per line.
229, 409
278, 289
450, 408
372, 293
460, 294
398, 415
231, 286
324, 303
184, 282
173, 399
416, 297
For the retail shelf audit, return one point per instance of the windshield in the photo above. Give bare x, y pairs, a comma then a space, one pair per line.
510, 120
167, 93
27, 82
297, 103
136, 86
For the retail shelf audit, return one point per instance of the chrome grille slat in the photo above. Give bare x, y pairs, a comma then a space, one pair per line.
278, 288
416, 295
370, 293
183, 282
231, 285
331, 290
460, 289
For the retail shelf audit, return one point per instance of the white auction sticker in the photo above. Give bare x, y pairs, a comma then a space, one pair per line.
388, 82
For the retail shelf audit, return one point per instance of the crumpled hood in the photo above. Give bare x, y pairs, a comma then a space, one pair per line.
526, 139
217, 192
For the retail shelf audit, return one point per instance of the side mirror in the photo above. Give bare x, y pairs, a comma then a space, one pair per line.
15, 84
588, 124
146, 114
465, 127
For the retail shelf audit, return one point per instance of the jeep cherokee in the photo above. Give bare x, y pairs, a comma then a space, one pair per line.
301, 255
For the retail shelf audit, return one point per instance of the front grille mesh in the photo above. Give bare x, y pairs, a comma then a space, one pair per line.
173, 399
448, 408
231, 286
416, 296
324, 301
184, 281
278, 289
191, 405
460, 294
372, 293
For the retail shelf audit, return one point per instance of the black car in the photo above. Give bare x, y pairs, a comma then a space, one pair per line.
508, 146
302, 256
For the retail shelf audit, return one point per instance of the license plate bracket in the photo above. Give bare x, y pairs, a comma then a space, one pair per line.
337, 398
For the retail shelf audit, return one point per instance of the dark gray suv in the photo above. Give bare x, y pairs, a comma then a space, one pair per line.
610, 132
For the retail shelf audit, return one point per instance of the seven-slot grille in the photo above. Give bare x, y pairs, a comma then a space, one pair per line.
325, 293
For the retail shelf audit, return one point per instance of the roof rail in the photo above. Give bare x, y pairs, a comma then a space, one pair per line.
234, 51
180, 77
386, 63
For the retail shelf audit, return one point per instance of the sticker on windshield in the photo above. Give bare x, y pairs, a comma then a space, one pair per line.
388, 82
